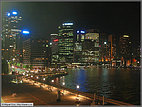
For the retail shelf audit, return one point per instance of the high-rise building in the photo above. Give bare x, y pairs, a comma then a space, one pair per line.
125, 49
105, 41
54, 48
90, 47
66, 42
36, 52
80, 37
11, 36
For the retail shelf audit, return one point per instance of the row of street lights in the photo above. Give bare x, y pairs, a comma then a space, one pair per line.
63, 84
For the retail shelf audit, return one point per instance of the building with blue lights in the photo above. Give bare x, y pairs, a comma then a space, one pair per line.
86, 49
11, 36
80, 36
91, 47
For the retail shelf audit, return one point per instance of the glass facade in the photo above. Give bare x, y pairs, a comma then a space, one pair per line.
11, 37
66, 36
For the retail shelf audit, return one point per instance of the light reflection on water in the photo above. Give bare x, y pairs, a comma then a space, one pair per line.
119, 84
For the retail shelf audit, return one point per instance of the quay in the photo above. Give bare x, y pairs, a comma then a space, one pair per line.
82, 95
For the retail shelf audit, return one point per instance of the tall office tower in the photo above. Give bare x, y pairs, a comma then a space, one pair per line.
125, 49
36, 52
54, 48
66, 42
11, 36
90, 53
80, 37
104, 47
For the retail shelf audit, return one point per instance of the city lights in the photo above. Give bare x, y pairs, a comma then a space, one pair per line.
78, 57
82, 31
105, 42
25, 32
63, 83
56, 40
125, 36
14, 13
52, 81
8, 14
67, 23
77, 86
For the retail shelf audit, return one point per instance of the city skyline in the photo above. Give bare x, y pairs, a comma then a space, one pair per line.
71, 53
43, 18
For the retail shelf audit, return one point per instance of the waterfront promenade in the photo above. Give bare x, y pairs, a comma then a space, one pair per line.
42, 94
29, 93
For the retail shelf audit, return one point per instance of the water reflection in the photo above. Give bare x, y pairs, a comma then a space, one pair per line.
119, 84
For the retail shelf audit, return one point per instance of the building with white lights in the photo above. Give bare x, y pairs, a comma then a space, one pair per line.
36, 53
66, 38
90, 50
54, 48
11, 36
125, 51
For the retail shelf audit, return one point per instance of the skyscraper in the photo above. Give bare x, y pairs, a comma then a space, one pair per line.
36, 52
125, 49
54, 48
80, 37
11, 36
90, 46
66, 42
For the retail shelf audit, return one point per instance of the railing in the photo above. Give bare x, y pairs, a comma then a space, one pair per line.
86, 95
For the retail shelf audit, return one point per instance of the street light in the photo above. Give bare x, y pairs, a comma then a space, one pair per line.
44, 79
52, 81
105, 42
63, 85
77, 96
77, 89
77, 86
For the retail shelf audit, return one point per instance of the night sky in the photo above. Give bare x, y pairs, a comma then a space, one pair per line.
43, 18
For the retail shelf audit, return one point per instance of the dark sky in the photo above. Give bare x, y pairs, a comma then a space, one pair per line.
44, 17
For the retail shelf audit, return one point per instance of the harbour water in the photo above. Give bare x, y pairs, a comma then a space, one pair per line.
121, 84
